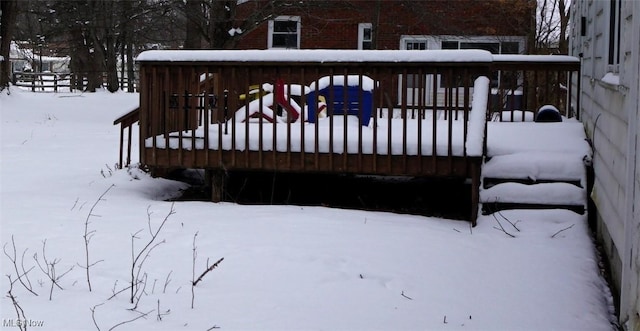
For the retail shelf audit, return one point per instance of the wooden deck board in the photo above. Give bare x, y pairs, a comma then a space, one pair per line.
320, 163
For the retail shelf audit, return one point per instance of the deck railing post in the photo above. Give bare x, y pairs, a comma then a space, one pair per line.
226, 110
121, 145
476, 165
217, 179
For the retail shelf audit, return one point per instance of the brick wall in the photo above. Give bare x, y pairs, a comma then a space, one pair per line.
334, 24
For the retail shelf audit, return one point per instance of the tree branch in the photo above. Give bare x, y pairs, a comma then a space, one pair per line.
24, 273
213, 266
89, 234
567, 228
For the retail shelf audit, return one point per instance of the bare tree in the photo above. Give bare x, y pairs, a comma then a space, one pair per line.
101, 36
48, 267
14, 300
192, 12
81, 25
8, 10
137, 260
22, 274
563, 13
552, 21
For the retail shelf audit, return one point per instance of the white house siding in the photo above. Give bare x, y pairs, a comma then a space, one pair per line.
631, 74
611, 118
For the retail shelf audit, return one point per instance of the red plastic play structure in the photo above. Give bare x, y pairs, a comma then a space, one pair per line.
269, 106
282, 101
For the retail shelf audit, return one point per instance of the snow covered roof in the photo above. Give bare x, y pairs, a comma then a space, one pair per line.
316, 55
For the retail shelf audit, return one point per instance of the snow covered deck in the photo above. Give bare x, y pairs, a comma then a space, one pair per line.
536, 165
403, 113
387, 133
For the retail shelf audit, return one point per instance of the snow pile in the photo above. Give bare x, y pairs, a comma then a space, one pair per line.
477, 116
520, 137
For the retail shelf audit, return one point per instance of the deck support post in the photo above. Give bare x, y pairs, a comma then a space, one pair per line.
216, 178
476, 166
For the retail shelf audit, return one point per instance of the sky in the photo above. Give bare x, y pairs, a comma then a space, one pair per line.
282, 268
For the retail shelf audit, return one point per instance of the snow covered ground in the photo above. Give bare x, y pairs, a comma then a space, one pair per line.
284, 267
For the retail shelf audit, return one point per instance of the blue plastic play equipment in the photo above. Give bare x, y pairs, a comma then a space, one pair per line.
342, 100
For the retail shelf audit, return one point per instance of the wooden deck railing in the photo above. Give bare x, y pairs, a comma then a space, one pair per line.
522, 84
408, 113
126, 121
196, 108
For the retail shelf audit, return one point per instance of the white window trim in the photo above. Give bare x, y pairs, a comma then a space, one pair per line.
613, 64
405, 38
361, 28
435, 42
282, 18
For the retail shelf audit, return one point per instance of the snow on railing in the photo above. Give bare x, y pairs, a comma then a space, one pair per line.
478, 117
318, 56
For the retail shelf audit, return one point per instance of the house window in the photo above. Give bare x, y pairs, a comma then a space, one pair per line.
415, 45
284, 32
614, 35
365, 36
504, 47
413, 84
495, 47
417, 87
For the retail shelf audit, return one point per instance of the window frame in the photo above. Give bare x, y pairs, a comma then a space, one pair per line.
614, 49
435, 41
272, 32
361, 35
